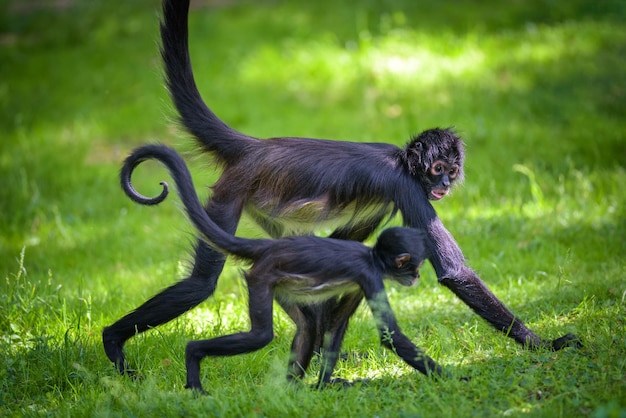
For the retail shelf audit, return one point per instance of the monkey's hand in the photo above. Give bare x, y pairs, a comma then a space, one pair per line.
568, 340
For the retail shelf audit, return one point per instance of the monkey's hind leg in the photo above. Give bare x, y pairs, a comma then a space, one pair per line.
166, 305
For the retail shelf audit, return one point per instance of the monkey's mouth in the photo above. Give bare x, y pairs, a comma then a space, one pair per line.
437, 194
416, 275
409, 281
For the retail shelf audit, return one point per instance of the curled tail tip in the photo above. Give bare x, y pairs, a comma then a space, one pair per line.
137, 157
161, 197
144, 200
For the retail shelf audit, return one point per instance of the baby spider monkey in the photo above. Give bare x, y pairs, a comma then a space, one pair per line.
300, 272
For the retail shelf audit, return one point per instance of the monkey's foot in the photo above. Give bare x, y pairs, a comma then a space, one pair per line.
197, 389
568, 340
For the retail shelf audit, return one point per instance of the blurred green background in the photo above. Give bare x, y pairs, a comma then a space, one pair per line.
536, 88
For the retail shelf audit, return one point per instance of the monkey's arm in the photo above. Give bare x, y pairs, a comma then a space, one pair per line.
392, 337
449, 263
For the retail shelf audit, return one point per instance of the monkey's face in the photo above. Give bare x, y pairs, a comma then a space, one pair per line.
407, 272
435, 159
401, 252
438, 179
408, 277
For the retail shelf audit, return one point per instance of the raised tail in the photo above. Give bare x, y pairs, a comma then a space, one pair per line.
209, 130
240, 247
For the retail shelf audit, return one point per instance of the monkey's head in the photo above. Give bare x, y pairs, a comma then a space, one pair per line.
435, 157
402, 252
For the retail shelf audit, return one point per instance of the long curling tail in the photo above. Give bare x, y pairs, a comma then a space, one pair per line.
211, 232
209, 130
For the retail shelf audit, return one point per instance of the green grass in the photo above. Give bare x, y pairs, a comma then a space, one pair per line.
536, 88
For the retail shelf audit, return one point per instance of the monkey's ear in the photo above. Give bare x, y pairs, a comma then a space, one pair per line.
402, 259
413, 155
416, 149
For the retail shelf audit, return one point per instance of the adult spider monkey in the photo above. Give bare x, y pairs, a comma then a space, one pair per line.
296, 185
300, 272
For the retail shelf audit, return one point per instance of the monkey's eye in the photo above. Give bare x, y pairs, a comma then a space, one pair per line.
437, 168
454, 171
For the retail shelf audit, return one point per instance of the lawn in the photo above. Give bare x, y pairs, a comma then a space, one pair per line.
536, 89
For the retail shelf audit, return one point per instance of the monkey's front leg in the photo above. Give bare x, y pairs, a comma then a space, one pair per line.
392, 337
449, 264
471, 290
